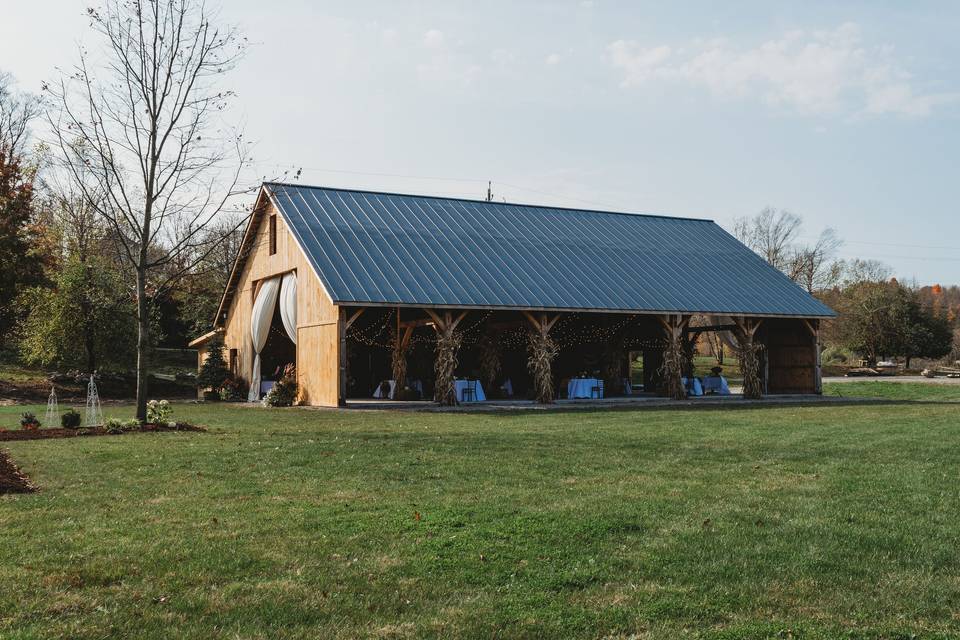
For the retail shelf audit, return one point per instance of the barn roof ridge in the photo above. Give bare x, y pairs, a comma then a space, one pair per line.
526, 205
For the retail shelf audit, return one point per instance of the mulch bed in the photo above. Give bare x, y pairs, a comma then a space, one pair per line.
11, 479
42, 434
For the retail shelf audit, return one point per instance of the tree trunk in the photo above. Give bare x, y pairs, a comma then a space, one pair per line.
143, 344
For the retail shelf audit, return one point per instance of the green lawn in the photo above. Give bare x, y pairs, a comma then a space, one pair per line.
792, 522
949, 392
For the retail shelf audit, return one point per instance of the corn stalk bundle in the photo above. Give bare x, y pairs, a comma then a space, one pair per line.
612, 364
399, 361
490, 364
541, 350
445, 365
674, 356
672, 370
748, 354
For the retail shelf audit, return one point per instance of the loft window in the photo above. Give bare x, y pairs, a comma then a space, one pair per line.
273, 234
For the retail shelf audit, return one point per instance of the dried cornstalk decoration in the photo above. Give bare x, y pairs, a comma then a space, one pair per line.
445, 363
401, 347
613, 363
398, 362
490, 362
673, 356
541, 350
748, 354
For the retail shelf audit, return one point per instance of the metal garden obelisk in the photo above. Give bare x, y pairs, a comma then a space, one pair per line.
94, 413
52, 417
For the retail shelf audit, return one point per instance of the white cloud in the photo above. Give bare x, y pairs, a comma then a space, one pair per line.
818, 72
389, 35
434, 39
553, 59
588, 4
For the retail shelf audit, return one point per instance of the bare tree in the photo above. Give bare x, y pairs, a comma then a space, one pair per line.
17, 110
771, 234
143, 119
815, 267
866, 270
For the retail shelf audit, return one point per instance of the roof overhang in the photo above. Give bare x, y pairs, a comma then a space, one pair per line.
205, 338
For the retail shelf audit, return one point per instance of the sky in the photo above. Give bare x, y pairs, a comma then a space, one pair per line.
846, 113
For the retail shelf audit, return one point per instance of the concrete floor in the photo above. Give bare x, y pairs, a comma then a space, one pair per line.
629, 402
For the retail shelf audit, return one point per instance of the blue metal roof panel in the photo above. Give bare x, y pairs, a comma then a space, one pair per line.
383, 248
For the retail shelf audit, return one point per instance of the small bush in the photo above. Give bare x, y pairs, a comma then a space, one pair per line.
234, 389
835, 356
29, 422
159, 412
213, 372
70, 419
114, 425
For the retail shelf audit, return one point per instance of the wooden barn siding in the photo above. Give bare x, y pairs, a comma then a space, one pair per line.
317, 316
791, 357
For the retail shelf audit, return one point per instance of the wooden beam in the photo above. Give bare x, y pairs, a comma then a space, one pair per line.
342, 355
422, 322
458, 319
356, 314
438, 323
533, 321
405, 341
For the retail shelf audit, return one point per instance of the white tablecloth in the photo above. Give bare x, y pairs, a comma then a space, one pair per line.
377, 393
460, 385
416, 385
694, 388
582, 387
717, 384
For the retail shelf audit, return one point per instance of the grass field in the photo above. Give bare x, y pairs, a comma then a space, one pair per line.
790, 522
894, 390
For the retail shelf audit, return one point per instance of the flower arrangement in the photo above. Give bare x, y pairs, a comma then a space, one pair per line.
284, 392
29, 422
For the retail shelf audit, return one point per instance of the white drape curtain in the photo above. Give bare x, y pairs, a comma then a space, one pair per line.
726, 336
259, 329
288, 305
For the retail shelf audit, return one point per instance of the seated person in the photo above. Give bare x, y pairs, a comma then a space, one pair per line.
716, 383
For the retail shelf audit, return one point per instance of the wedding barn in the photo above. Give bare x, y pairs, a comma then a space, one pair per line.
396, 297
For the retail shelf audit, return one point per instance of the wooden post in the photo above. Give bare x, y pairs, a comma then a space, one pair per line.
814, 327
541, 350
674, 325
343, 323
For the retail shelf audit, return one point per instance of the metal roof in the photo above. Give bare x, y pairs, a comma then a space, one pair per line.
385, 248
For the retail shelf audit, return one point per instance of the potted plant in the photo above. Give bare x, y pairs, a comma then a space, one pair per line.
29, 422
70, 419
